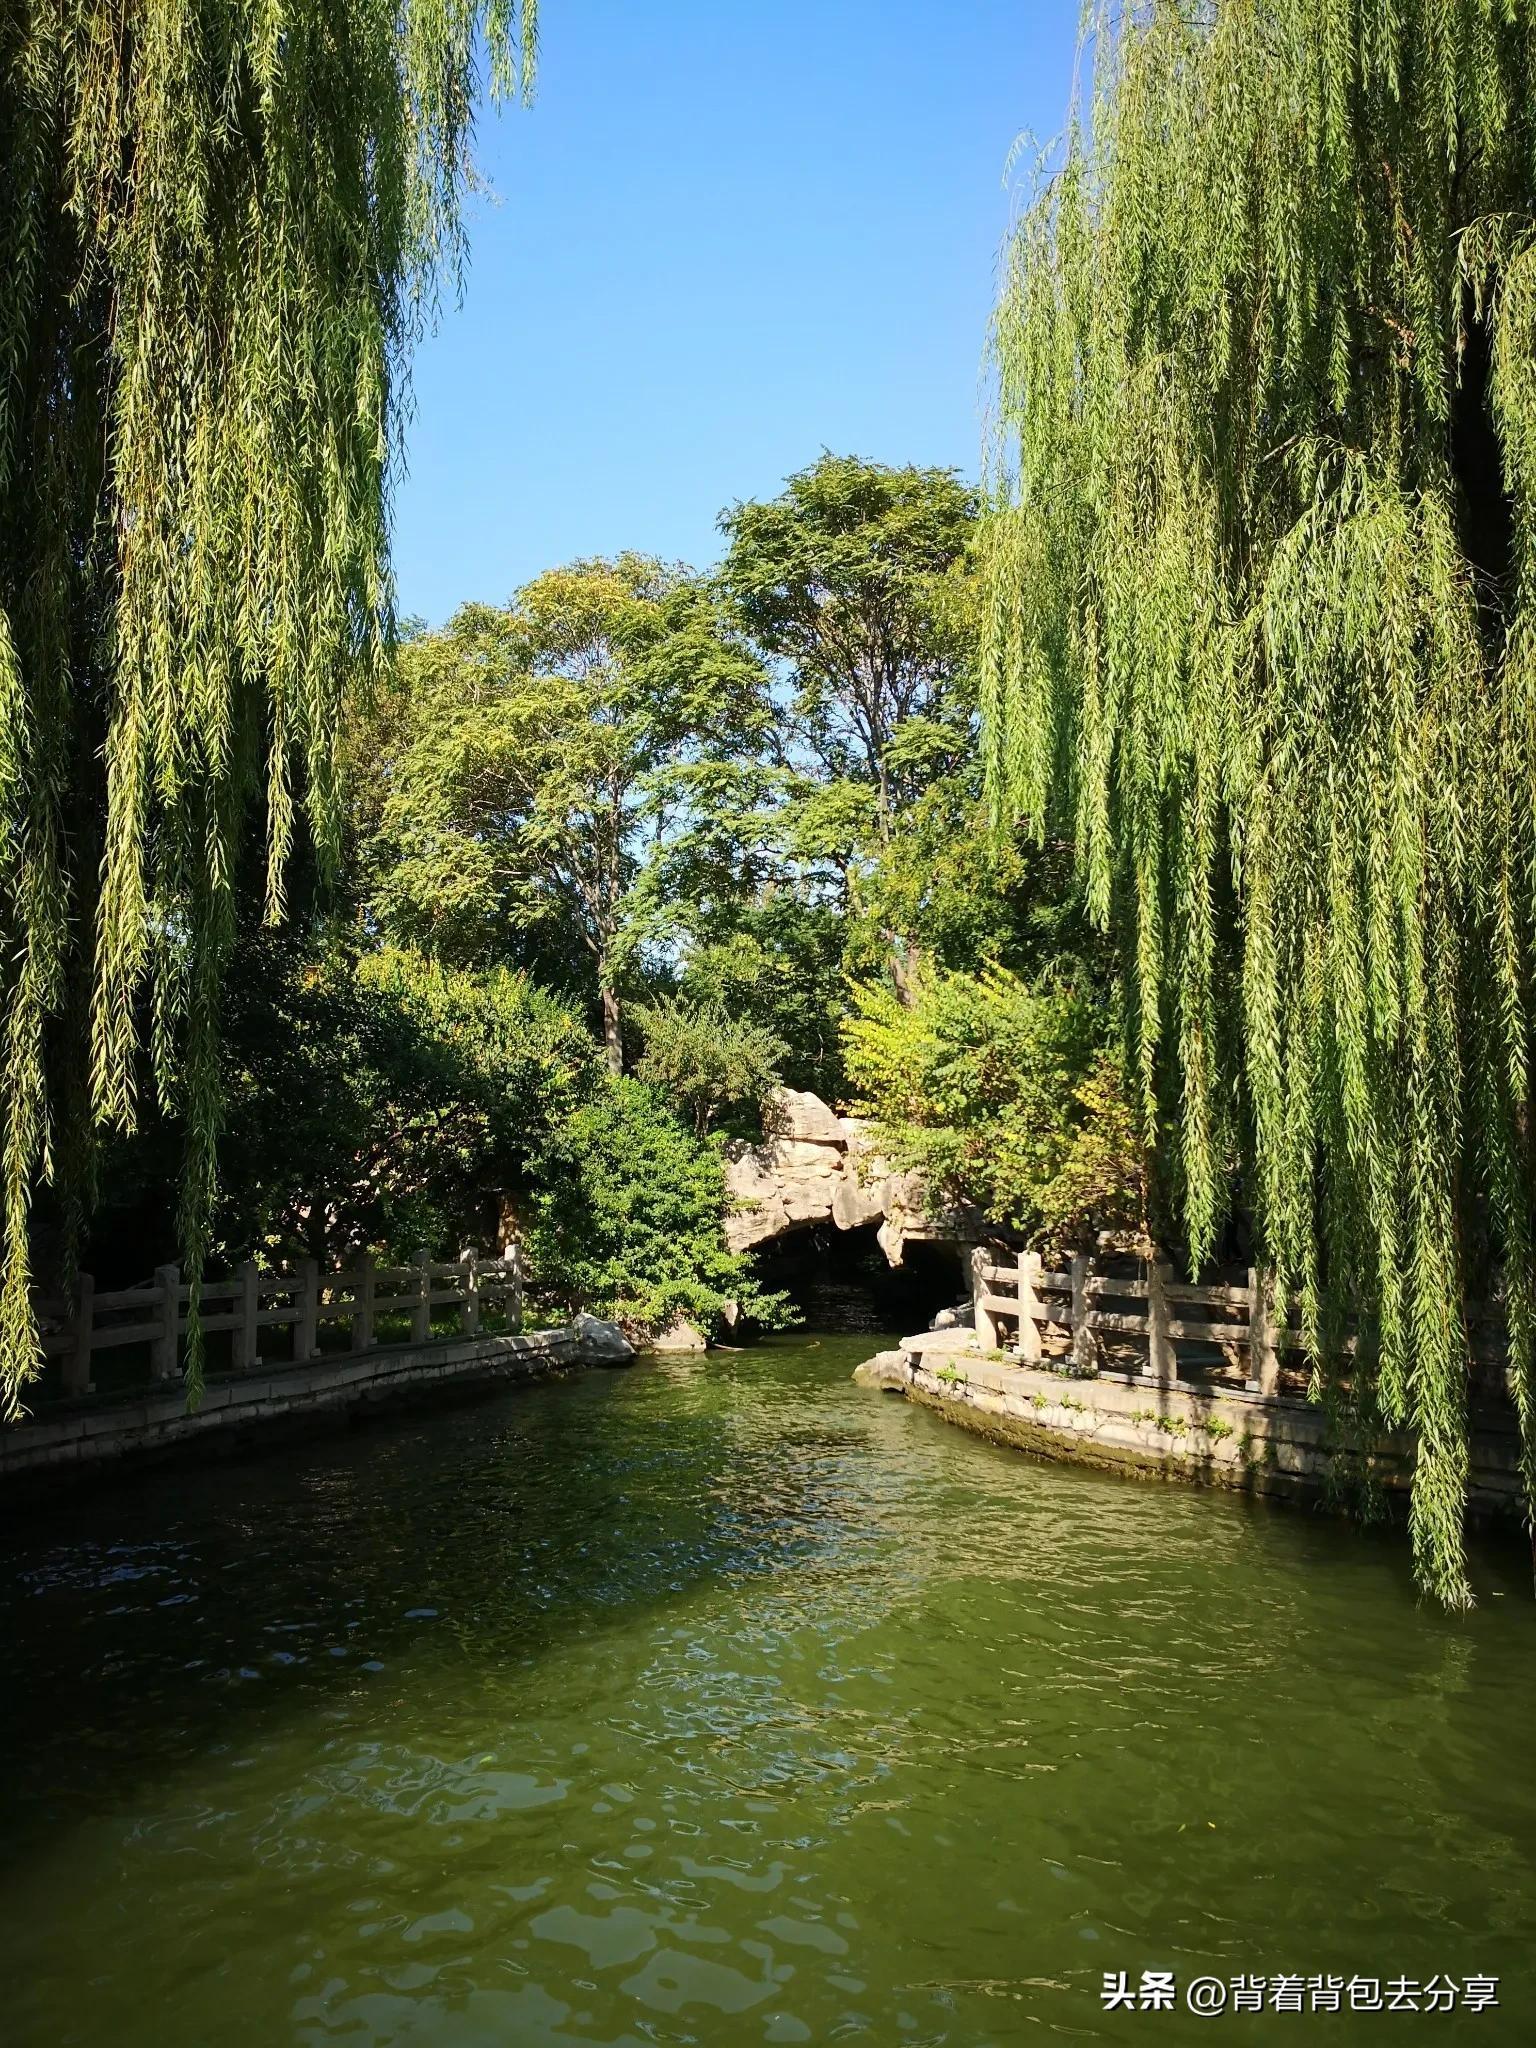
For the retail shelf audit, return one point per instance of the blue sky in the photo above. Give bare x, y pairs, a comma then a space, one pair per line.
727, 234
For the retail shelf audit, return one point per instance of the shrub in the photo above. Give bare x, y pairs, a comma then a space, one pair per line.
627, 1214
391, 1103
1002, 1095
375, 1104
718, 1070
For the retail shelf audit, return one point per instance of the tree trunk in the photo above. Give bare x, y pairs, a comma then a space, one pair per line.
613, 1036
903, 966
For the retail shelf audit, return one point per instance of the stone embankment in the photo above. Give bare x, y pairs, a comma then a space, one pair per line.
1230, 1436
86, 1435
819, 1167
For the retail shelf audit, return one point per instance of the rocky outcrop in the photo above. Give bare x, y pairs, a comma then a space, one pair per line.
961, 1317
680, 1335
819, 1167
887, 1370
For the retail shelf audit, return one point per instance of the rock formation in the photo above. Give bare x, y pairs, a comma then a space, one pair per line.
819, 1167
600, 1343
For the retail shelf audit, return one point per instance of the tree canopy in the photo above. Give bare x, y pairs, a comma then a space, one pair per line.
1003, 1095
850, 578
222, 230
856, 582
715, 1069
1261, 637
541, 757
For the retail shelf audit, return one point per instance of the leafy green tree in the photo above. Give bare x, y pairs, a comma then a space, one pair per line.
222, 229
1260, 595
718, 1069
372, 1105
390, 1102
739, 924
627, 1216
1004, 1096
542, 757
858, 581
850, 578
775, 960
854, 582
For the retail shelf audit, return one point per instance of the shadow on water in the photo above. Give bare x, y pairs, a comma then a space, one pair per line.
841, 1279
203, 1602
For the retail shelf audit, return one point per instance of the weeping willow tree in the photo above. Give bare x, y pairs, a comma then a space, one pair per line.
223, 227
1262, 578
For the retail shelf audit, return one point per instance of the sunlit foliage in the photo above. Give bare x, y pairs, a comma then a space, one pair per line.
627, 1217
715, 1069
1262, 637
1001, 1095
541, 759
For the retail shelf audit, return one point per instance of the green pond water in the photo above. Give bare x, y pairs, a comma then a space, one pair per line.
719, 1701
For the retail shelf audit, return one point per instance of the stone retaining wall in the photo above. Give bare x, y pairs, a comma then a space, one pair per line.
1274, 1446
91, 1433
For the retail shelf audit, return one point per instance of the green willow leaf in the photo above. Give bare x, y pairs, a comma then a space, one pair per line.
1260, 615
223, 229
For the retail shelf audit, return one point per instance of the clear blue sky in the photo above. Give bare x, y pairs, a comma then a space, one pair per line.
727, 234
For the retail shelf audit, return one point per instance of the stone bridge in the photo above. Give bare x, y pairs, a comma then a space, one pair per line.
820, 1167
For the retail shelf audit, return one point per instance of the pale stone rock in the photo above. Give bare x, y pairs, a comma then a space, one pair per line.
941, 1344
962, 1317
807, 1201
854, 1204
818, 1167
749, 1176
796, 1113
887, 1370
680, 1335
756, 1225
803, 1155
909, 1191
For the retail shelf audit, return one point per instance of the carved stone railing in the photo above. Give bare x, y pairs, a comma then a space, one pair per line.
301, 1299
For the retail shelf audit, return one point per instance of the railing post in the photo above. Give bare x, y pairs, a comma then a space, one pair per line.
1083, 1361
168, 1280
1263, 1352
421, 1314
1029, 1301
469, 1260
306, 1331
77, 1360
512, 1258
981, 1286
362, 1304
248, 1329
1162, 1360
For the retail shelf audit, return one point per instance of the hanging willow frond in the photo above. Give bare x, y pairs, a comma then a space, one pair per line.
1262, 632
223, 228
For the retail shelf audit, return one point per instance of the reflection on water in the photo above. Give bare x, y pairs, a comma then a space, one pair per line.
720, 1702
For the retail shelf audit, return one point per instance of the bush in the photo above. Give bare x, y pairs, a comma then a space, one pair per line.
376, 1104
627, 1220
718, 1070
388, 1102
1002, 1096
